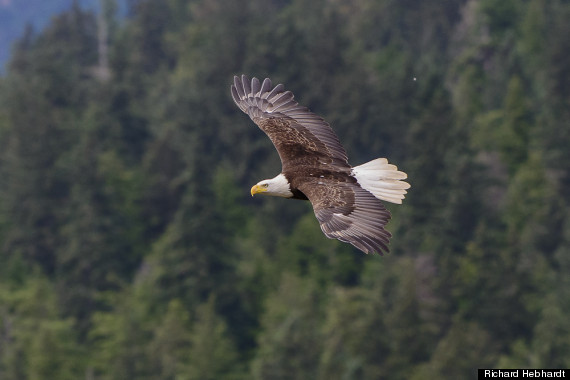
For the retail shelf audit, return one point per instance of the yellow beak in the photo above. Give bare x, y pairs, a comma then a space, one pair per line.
257, 189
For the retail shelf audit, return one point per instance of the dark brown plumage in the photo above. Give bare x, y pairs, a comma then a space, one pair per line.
346, 200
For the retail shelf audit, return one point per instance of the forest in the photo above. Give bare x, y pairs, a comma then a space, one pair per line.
130, 247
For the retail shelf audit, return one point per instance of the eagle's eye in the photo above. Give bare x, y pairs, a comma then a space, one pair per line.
265, 185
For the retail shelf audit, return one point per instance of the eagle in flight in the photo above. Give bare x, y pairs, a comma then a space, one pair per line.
346, 200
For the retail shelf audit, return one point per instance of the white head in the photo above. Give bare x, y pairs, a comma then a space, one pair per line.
278, 187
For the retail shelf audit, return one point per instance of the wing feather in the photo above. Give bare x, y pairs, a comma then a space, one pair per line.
265, 87
287, 106
246, 87
278, 89
292, 128
349, 213
281, 97
238, 87
255, 86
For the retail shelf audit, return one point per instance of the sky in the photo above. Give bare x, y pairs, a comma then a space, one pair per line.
15, 15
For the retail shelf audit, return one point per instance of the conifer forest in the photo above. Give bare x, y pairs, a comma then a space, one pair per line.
131, 248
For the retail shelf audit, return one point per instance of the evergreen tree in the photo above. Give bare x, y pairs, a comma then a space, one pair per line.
212, 353
291, 340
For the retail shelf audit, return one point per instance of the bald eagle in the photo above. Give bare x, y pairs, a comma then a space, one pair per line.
346, 200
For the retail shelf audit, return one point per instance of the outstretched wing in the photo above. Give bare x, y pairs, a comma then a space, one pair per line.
349, 213
299, 135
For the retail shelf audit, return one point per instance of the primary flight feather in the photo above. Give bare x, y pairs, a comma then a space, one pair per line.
346, 200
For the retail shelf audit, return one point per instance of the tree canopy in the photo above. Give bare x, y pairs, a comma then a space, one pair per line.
130, 247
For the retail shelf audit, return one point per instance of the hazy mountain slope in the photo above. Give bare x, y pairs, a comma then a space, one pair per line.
16, 14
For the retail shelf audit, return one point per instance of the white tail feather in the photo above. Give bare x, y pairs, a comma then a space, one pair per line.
382, 179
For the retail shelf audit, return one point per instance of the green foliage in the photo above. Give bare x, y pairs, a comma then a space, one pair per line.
307, 252
170, 347
457, 355
131, 249
508, 130
212, 353
291, 340
120, 337
375, 330
38, 342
